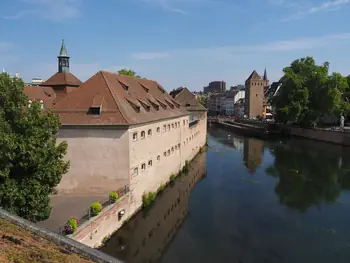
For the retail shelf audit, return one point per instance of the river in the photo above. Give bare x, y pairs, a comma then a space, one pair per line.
248, 201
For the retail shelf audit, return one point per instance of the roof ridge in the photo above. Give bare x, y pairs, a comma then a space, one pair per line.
113, 96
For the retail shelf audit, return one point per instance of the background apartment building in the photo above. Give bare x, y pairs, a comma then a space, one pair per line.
215, 87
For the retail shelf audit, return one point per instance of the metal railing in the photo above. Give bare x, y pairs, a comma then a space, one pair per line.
121, 192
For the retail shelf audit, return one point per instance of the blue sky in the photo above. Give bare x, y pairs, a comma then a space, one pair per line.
176, 42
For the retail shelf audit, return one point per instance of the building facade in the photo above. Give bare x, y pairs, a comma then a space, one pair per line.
121, 131
215, 87
254, 95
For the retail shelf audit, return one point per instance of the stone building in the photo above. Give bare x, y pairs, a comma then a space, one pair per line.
254, 94
120, 130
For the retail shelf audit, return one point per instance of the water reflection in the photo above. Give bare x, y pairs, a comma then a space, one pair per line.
308, 173
253, 152
146, 235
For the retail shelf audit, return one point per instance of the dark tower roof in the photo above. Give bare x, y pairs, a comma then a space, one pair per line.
265, 75
254, 75
63, 51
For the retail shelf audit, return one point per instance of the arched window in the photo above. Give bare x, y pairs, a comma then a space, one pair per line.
143, 135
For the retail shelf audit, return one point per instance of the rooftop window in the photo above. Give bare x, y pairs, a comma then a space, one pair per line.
125, 87
95, 110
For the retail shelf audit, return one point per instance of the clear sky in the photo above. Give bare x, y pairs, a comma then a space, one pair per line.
176, 42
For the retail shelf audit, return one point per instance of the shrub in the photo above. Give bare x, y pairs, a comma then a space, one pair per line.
161, 187
113, 196
147, 199
71, 226
172, 178
95, 208
105, 239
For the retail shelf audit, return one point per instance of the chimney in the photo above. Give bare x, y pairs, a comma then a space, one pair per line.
17, 75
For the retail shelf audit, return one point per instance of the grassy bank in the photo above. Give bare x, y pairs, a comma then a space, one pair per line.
20, 246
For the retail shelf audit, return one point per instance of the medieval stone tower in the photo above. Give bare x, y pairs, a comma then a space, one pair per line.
254, 94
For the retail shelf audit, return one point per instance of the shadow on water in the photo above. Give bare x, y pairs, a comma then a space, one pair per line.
145, 237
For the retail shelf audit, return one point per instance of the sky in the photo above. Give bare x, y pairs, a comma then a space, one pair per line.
176, 42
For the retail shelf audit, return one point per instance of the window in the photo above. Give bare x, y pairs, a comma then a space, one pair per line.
149, 132
164, 128
184, 143
168, 152
158, 129
143, 134
150, 163
172, 125
136, 171
175, 124
143, 167
179, 145
168, 127
134, 136
172, 149
175, 147
164, 154
158, 158
178, 124
184, 122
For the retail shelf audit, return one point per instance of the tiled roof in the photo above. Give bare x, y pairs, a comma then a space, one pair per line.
37, 93
124, 100
62, 79
254, 75
186, 99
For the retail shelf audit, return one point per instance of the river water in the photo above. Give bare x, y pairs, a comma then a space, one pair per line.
248, 201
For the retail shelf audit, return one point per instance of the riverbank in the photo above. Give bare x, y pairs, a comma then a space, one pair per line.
325, 135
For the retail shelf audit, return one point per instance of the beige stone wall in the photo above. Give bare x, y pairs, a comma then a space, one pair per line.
155, 156
98, 158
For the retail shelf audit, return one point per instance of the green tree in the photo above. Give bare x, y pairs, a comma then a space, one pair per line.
128, 72
348, 79
308, 93
31, 163
202, 100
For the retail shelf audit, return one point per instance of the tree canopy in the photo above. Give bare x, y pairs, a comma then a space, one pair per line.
308, 93
31, 163
128, 72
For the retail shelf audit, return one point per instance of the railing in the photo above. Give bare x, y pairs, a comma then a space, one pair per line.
121, 192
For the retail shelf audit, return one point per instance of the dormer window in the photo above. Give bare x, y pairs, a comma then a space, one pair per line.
125, 87
145, 88
170, 104
95, 110
161, 89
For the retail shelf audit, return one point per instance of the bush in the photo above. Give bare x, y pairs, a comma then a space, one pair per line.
95, 208
147, 199
172, 178
113, 196
71, 226
161, 187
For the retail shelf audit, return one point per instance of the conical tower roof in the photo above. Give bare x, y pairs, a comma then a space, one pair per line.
265, 75
63, 51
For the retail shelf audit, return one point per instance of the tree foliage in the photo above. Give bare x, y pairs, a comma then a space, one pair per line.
31, 163
128, 72
308, 93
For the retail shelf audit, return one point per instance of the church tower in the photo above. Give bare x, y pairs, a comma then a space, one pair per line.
63, 59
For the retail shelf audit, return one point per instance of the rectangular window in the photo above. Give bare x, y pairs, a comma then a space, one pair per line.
164, 154
164, 128
143, 135
134, 136
158, 158
150, 163
172, 125
143, 167
158, 129
168, 127
136, 171
168, 152
149, 132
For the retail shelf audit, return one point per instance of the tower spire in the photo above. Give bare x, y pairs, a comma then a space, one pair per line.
63, 59
265, 75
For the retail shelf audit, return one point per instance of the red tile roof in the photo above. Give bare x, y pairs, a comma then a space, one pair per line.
187, 99
124, 100
62, 79
36, 93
